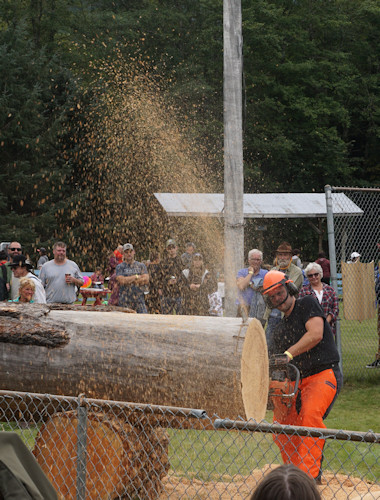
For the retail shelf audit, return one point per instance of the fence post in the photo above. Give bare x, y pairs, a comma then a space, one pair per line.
81, 447
332, 258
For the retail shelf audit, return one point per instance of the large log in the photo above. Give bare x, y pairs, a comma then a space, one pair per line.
122, 461
184, 361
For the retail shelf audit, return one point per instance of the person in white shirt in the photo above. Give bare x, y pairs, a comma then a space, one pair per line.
21, 269
60, 277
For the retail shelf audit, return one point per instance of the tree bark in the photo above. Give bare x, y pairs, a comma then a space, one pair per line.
184, 361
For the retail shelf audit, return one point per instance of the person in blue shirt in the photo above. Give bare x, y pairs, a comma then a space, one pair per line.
249, 280
131, 276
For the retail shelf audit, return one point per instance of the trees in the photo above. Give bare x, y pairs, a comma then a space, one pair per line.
311, 74
33, 96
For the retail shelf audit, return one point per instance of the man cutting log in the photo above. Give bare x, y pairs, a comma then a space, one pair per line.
303, 337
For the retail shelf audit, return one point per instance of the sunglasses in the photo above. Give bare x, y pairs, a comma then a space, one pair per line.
14, 249
314, 275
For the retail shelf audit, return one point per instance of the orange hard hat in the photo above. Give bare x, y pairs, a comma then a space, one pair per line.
273, 279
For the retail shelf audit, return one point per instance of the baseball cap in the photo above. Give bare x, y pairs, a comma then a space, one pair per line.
20, 261
42, 249
127, 246
354, 255
171, 242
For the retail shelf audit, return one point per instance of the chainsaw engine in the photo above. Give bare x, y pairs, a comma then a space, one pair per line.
283, 382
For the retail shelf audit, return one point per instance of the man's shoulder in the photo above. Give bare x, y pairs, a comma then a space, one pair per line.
310, 304
169, 261
308, 298
295, 269
139, 264
71, 263
48, 264
242, 272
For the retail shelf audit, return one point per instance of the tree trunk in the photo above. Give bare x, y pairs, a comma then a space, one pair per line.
184, 361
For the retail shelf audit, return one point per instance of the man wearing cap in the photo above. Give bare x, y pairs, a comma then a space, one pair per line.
355, 257
21, 269
131, 275
60, 277
43, 257
283, 263
13, 283
187, 256
304, 338
172, 284
249, 280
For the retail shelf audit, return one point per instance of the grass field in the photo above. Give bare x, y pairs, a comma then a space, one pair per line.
211, 455
359, 340
208, 455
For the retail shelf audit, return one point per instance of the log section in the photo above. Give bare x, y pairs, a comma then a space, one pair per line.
185, 361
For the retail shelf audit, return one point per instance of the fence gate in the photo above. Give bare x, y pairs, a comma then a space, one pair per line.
357, 281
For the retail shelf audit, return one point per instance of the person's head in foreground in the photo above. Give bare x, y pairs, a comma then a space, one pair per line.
286, 482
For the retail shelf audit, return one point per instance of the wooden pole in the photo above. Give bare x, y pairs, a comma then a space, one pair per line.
233, 151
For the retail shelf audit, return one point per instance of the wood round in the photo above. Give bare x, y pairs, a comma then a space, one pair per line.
121, 459
255, 372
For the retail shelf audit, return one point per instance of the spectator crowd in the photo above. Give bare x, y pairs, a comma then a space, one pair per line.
172, 283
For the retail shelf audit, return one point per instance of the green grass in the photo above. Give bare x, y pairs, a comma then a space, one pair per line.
211, 455
359, 341
220, 455
27, 434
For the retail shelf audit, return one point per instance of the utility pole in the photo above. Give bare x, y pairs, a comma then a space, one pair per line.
233, 150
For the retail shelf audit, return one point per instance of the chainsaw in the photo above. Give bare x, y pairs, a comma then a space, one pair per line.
284, 381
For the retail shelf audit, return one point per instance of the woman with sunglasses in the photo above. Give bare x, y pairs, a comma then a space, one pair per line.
324, 293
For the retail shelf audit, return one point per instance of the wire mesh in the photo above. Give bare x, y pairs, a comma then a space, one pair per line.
97, 449
357, 239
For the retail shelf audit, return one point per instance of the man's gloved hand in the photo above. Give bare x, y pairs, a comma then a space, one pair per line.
278, 360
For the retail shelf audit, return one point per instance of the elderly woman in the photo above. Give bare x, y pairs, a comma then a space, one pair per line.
26, 291
325, 294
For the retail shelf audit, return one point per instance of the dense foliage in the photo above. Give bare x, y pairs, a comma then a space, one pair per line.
80, 159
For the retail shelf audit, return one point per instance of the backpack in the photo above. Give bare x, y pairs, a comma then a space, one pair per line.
3, 283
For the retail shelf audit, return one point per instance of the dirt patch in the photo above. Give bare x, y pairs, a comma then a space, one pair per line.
334, 486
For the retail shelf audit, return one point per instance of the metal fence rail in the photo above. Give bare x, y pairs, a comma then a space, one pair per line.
97, 449
359, 319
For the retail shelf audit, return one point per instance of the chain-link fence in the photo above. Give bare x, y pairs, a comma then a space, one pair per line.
354, 245
96, 449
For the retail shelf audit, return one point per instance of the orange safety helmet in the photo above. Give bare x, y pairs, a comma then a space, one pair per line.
274, 279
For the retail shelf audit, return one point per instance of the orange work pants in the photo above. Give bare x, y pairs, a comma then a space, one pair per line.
315, 395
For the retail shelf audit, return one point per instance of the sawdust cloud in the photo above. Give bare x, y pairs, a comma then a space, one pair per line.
133, 141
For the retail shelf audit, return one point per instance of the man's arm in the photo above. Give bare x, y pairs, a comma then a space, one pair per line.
143, 279
127, 280
75, 281
312, 336
243, 282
